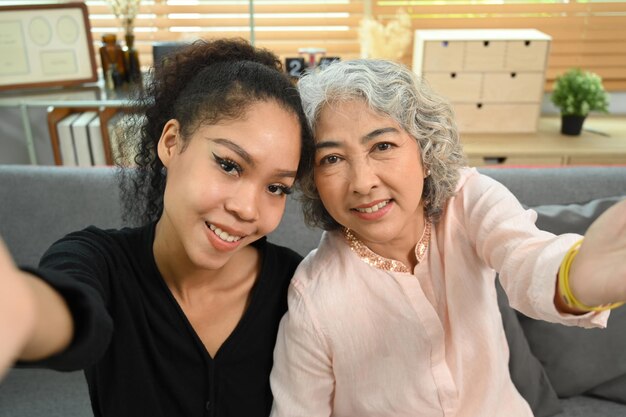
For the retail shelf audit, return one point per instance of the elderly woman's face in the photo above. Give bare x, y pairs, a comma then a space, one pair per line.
369, 175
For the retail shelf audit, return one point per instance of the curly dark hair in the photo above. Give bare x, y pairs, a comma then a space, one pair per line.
204, 83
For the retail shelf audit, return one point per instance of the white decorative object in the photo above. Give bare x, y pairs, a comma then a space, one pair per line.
390, 41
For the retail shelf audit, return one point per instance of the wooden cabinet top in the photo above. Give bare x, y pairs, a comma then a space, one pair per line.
602, 135
479, 35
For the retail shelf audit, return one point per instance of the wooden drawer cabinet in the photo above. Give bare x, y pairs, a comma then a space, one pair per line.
496, 117
506, 87
494, 78
461, 87
484, 55
443, 56
526, 55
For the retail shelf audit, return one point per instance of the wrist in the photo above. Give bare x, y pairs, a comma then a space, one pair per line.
577, 292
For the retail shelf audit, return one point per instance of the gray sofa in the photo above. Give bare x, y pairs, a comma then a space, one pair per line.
40, 204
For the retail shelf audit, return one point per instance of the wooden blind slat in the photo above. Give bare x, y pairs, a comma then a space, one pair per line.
588, 61
606, 73
609, 85
162, 9
586, 47
503, 22
166, 23
491, 9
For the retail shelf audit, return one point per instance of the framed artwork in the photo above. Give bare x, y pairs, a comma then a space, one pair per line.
45, 45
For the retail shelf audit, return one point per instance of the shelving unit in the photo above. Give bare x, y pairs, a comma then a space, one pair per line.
36, 105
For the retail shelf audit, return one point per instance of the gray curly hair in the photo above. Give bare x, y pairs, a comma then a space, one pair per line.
393, 90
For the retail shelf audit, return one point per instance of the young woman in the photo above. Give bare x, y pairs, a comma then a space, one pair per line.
179, 317
395, 314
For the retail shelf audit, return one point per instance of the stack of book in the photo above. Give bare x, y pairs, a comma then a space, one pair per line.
88, 138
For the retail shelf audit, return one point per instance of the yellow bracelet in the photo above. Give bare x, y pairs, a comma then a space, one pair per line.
566, 291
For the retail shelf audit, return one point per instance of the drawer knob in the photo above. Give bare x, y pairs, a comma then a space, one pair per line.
453, 75
526, 43
485, 43
479, 105
444, 44
494, 160
513, 74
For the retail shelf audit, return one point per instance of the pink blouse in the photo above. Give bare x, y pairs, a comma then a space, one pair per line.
363, 340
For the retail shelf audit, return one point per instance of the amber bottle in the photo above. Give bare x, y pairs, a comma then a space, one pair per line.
131, 59
112, 57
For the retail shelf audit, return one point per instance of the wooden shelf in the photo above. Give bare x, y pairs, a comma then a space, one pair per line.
602, 142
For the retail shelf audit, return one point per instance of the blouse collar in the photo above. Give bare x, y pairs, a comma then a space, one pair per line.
386, 264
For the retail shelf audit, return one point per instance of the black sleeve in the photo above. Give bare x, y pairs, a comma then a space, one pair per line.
78, 267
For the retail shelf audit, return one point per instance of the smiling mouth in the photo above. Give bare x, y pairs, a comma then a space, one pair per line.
225, 236
374, 208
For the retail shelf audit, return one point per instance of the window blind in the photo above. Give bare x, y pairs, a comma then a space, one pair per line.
587, 33
282, 26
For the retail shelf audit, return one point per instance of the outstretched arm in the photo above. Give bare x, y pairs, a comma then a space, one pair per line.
35, 321
597, 274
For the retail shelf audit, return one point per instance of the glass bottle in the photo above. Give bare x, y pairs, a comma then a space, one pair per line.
131, 58
112, 57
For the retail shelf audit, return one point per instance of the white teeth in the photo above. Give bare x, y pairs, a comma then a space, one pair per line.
223, 235
373, 209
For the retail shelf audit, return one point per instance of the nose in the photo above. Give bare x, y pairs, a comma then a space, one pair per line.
243, 203
363, 177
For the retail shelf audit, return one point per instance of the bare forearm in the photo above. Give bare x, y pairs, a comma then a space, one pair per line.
53, 325
17, 316
606, 285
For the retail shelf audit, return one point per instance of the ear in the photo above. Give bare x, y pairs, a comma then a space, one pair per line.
169, 142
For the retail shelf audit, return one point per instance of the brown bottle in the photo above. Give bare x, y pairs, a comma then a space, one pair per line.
131, 59
112, 57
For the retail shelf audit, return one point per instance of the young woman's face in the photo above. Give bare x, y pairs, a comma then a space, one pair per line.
369, 175
227, 188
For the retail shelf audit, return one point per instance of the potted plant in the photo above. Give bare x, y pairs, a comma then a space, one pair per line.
576, 93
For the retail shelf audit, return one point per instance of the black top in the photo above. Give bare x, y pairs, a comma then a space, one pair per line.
140, 353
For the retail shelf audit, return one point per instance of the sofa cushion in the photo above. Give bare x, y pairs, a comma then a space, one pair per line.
614, 390
527, 373
578, 360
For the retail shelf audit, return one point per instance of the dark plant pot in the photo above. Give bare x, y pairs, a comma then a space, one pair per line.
572, 125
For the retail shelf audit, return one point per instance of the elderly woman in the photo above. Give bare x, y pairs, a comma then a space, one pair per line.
395, 314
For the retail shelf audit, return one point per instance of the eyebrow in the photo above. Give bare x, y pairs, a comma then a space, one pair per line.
235, 148
378, 132
365, 139
282, 174
248, 158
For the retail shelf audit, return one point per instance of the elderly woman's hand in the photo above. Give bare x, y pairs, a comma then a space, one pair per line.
598, 272
17, 310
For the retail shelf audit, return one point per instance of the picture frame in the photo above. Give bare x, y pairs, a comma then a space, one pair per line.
45, 45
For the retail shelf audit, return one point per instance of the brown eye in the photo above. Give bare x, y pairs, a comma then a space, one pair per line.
279, 190
228, 166
329, 160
